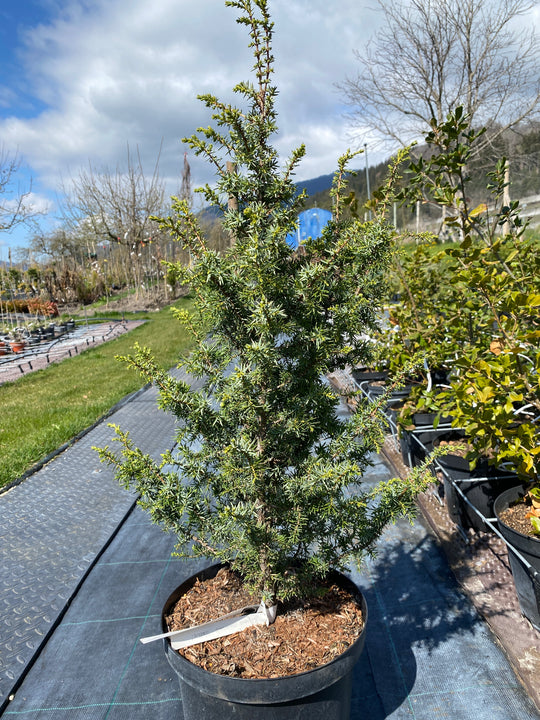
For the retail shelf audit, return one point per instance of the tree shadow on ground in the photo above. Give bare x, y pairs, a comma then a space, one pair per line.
419, 622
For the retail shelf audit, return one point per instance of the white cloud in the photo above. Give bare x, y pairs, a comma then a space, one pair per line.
110, 73
36, 203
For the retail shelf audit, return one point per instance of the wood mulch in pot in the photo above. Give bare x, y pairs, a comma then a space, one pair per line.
304, 635
515, 518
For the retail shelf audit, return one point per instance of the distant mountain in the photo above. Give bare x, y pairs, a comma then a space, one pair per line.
313, 186
316, 185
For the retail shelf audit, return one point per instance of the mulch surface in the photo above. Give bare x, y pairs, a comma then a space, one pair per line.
303, 636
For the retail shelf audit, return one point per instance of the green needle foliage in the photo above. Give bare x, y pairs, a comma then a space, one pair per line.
265, 475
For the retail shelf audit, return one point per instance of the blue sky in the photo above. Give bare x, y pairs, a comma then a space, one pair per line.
14, 18
81, 80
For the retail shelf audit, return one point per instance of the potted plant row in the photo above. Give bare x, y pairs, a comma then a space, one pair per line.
266, 478
16, 337
480, 311
518, 514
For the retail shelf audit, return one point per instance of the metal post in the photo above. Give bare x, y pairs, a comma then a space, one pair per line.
367, 179
506, 195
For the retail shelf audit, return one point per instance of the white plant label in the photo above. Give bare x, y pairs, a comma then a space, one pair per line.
226, 625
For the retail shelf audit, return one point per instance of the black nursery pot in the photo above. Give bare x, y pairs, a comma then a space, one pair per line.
320, 694
481, 493
396, 395
365, 375
416, 444
527, 586
481, 486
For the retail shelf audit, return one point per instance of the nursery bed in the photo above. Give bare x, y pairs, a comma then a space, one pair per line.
39, 356
480, 564
479, 561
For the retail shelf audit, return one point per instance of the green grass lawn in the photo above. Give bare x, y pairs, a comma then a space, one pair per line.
45, 409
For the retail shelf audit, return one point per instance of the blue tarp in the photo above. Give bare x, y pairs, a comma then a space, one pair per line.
310, 224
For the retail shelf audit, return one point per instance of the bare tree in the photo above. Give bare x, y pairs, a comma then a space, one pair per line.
55, 245
118, 207
15, 205
432, 56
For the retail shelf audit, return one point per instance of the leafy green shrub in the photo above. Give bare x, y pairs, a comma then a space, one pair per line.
483, 320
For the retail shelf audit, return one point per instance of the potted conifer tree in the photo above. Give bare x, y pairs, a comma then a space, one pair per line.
266, 476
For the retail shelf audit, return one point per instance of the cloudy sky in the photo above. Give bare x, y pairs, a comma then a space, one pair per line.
81, 80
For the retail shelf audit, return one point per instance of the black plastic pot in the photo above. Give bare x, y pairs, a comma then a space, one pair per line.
362, 375
440, 376
397, 395
481, 486
526, 580
395, 399
320, 694
425, 419
416, 444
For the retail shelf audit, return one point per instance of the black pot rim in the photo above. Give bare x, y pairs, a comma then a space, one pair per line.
267, 690
504, 499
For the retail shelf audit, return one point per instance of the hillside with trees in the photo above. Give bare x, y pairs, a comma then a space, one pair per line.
521, 147
108, 244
